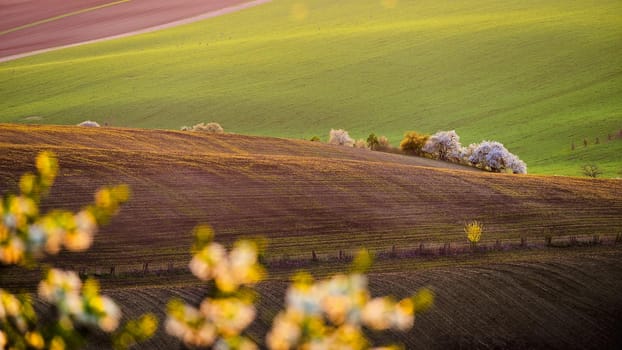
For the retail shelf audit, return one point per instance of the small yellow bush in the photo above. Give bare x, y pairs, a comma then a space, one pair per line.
413, 142
474, 231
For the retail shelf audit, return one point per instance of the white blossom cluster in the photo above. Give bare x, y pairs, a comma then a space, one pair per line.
230, 271
221, 319
211, 128
23, 232
26, 233
444, 145
495, 156
218, 322
79, 302
330, 314
340, 137
11, 307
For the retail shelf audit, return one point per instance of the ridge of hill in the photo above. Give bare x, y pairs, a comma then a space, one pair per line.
193, 143
537, 76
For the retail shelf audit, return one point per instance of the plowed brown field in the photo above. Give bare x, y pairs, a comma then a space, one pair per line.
539, 300
307, 196
301, 195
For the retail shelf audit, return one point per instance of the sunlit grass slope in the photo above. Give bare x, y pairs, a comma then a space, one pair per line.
535, 75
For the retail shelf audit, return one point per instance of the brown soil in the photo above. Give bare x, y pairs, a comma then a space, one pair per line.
543, 300
105, 22
308, 196
301, 195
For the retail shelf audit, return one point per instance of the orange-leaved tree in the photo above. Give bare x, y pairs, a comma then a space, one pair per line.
413, 142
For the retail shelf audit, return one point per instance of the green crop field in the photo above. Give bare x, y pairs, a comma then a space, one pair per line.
535, 75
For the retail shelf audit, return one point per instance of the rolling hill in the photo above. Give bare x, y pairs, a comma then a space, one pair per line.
535, 75
306, 196
300, 195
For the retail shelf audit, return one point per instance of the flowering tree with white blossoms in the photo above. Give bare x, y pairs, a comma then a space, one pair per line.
444, 145
25, 235
340, 137
328, 314
229, 309
331, 314
493, 155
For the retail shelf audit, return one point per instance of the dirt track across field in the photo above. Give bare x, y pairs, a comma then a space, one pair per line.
30, 27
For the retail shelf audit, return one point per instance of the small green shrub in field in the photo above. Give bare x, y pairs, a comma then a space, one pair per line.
591, 170
372, 142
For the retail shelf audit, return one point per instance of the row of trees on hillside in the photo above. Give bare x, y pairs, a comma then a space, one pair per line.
446, 146
443, 145
211, 127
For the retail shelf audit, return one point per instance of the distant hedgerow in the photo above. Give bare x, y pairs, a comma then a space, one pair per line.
445, 145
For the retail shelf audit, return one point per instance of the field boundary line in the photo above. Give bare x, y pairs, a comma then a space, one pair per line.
64, 15
206, 15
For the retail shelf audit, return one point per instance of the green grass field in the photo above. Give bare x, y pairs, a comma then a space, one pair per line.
535, 75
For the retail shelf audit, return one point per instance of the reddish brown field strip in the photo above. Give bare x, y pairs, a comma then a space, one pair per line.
121, 18
17, 13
